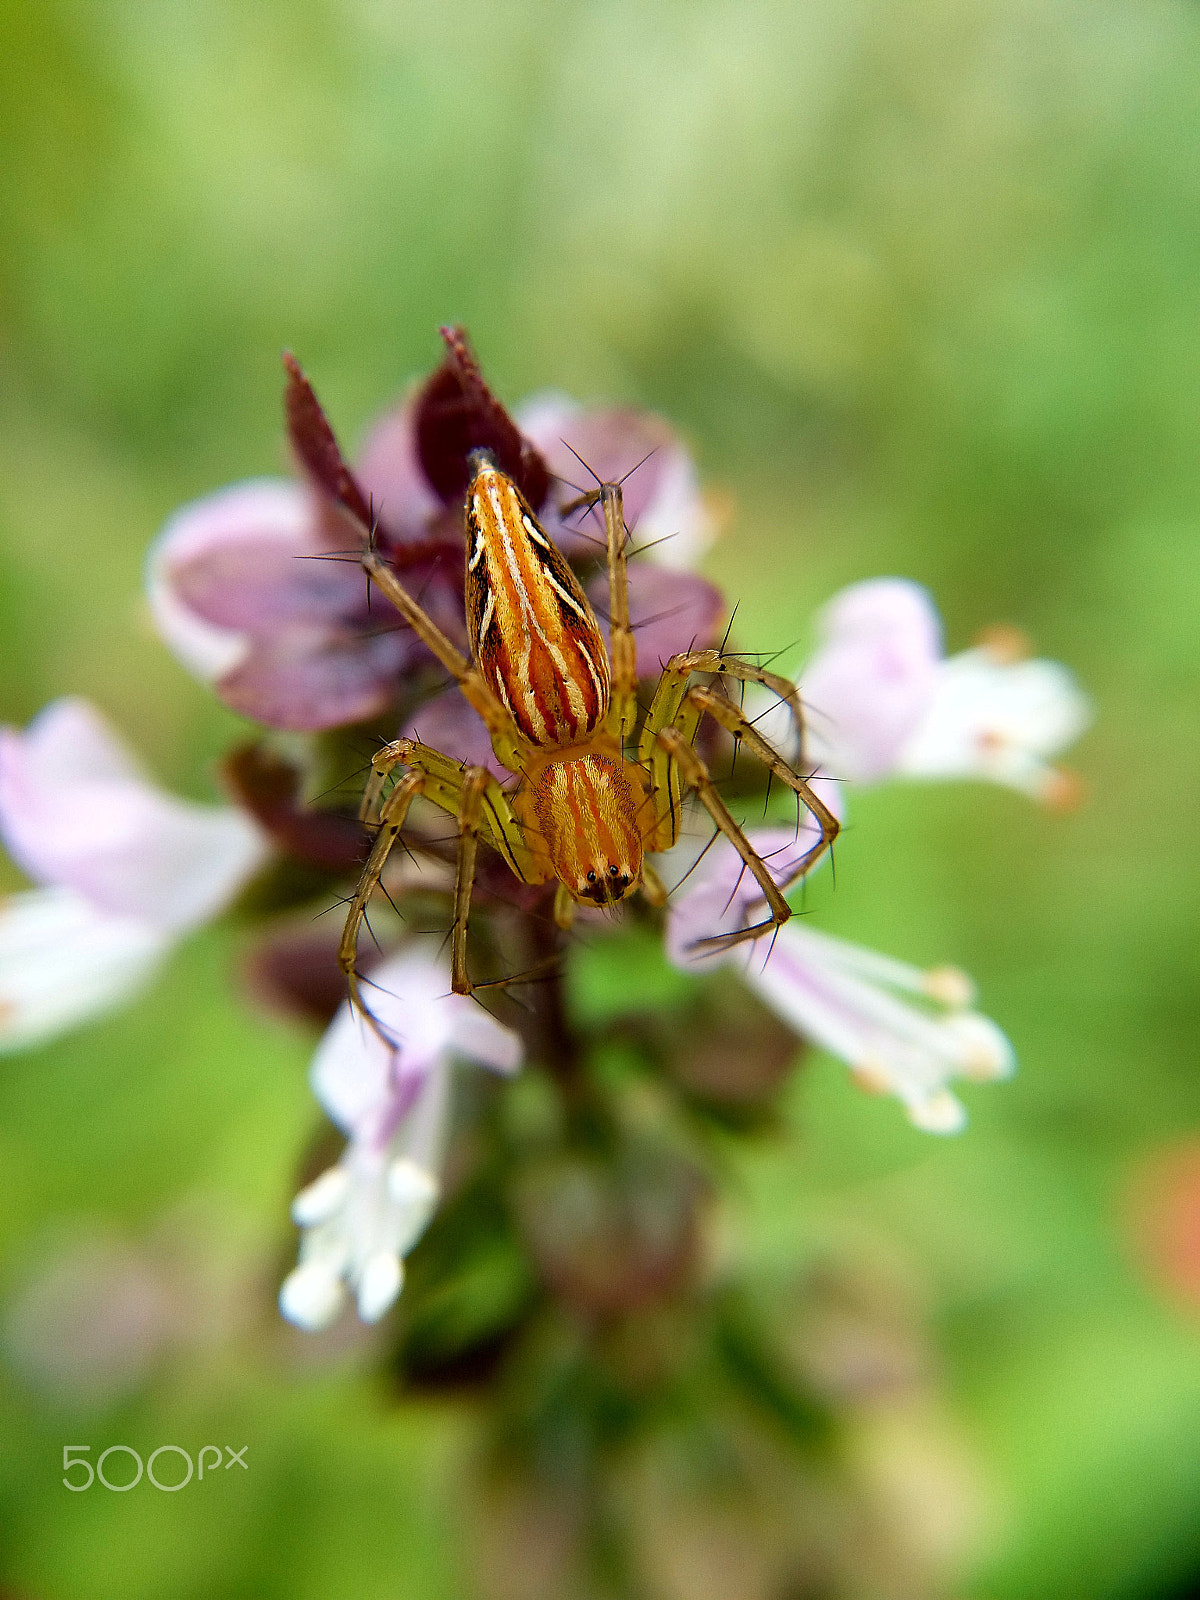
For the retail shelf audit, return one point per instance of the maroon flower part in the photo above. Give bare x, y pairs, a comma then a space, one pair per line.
257, 590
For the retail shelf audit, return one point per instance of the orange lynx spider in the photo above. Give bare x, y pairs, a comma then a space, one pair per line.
561, 712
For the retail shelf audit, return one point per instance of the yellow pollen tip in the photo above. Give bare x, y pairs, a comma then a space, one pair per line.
1062, 790
1004, 643
949, 986
870, 1078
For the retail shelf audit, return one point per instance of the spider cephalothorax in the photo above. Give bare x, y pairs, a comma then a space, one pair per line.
594, 793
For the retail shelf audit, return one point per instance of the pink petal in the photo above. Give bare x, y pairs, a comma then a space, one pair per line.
715, 898
225, 565
309, 680
662, 493
74, 812
64, 961
390, 472
873, 675
448, 724
669, 612
259, 586
360, 1081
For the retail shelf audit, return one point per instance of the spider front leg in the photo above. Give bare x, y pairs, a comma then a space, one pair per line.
506, 740
622, 712
622, 649
480, 807
391, 820
675, 767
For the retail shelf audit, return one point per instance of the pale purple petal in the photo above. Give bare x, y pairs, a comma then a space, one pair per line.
391, 474
63, 962
73, 811
717, 897
479, 1037
228, 565
357, 1077
668, 611
997, 719
852, 1001
361, 1217
663, 503
872, 677
307, 680
448, 724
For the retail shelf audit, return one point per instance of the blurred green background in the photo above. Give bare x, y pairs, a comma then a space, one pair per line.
918, 278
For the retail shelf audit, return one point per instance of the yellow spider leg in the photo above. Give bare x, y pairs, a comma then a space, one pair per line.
672, 706
506, 741
444, 783
564, 907
714, 704
474, 798
696, 776
622, 711
668, 697
390, 822
653, 887
470, 812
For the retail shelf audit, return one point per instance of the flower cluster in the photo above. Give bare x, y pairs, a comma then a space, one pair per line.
258, 592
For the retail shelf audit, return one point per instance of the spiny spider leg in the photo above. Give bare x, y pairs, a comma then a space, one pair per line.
735, 721
470, 812
622, 714
672, 759
474, 798
623, 709
697, 776
468, 678
391, 820
673, 683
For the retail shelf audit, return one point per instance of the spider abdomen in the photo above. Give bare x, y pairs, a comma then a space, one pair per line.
533, 633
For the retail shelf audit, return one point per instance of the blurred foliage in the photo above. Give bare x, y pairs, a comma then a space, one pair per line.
918, 278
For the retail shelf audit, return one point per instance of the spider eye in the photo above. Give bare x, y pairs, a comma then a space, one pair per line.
612, 872
591, 877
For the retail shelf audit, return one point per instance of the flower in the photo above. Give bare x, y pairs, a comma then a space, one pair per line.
363, 1215
852, 1001
125, 870
256, 589
883, 701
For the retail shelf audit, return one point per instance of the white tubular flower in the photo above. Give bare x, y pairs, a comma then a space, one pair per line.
363, 1215
125, 869
998, 717
900, 1030
882, 701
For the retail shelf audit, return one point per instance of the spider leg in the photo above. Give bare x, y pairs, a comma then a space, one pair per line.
479, 805
470, 813
622, 714
696, 776
506, 741
654, 889
672, 686
564, 908
622, 652
391, 820
665, 748
712, 703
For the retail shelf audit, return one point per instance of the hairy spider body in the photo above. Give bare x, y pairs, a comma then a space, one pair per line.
589, 802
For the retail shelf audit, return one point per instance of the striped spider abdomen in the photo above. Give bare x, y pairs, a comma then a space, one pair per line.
533, 633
